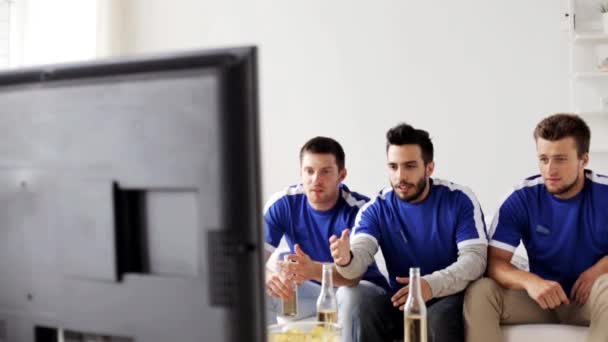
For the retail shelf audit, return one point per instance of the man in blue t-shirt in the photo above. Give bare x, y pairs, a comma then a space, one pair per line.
561, 216
307, 215
422, 222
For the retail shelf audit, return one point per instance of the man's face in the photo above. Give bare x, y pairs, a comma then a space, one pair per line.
321, 178
560, 166
407, 173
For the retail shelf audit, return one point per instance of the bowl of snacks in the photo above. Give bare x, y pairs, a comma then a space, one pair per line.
309, 331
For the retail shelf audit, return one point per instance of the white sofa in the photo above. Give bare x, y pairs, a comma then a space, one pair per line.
543, 333
517, 333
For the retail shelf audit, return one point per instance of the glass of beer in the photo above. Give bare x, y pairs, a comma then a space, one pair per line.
414, 312
289, 307
327, 303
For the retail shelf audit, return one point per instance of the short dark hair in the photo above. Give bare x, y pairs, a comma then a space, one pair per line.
559, 126
404, 134
324, 145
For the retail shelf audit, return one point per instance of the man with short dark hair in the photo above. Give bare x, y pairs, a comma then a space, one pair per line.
422, 222
561, 216
308, 214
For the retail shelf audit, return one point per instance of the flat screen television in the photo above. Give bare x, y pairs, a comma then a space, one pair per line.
130, 205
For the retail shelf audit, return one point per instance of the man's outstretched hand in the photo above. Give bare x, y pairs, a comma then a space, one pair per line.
340, 248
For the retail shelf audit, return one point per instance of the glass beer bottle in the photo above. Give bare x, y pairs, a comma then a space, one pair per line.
289, 307
327, 304
414, 312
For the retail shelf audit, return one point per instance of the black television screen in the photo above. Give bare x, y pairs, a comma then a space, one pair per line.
130, 205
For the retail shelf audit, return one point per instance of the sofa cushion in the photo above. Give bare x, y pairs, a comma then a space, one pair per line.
543, 332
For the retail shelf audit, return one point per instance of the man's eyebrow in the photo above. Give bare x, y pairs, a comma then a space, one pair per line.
553, 155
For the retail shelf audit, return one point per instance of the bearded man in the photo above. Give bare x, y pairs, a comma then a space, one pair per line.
418, 221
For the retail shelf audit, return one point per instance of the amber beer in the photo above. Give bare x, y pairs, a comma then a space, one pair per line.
414, 313
289, 307
327, 304
327, 316
415, 329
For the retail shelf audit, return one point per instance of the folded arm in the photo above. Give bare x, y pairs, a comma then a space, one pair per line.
469, 266
547, 293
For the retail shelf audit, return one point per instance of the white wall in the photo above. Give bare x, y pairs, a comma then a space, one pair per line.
477, 74
55, 31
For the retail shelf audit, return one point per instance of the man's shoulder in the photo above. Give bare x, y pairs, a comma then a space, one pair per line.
529, 186
383, 196
532, 183
448, 185
353, 199
454, 191
381, 200
289, 194
527, 193
599, 181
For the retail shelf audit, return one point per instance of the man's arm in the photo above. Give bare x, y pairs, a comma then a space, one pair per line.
469, 266
269, 272
352, 260
504, 273
275, 286
472, 245
306, 269
548, 294
275, 213
506, 233
339, 280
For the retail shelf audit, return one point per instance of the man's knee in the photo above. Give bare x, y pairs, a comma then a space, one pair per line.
446, 312
599, 289
601, 282
272, 305
373, 318
444, 318
482, 286
349, 299
370, 306
346, 294
480, 292
352, 296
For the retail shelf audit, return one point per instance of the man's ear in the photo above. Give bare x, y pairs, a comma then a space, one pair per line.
342, 174
585, 159
430, 167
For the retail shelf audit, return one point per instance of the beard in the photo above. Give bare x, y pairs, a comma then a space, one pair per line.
419, 189
564, 189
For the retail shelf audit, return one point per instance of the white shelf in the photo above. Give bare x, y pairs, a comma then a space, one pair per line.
590, 74
591, 37
592, 112
588, 83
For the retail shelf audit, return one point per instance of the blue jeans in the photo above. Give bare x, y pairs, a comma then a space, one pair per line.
376, 319
349, 301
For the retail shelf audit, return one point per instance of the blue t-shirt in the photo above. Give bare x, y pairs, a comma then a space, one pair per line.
563, 238
289, 213
426, 234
